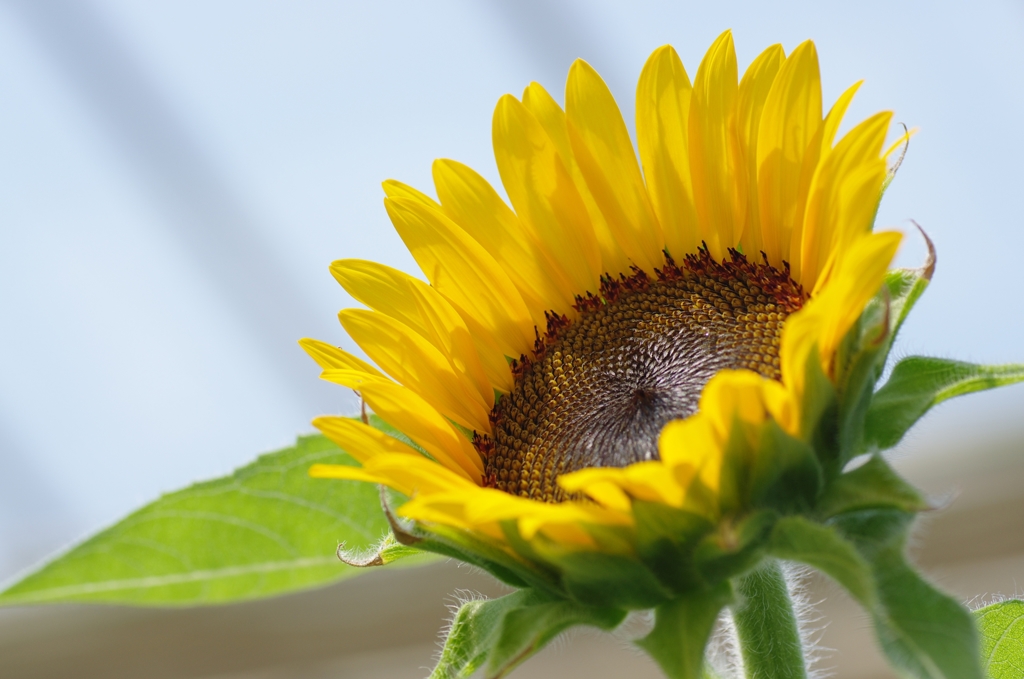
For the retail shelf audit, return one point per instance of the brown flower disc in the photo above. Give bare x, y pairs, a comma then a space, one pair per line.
599, 388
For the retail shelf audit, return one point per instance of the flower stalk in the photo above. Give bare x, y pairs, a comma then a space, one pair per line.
767, 626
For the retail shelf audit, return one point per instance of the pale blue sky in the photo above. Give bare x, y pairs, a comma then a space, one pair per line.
175, 178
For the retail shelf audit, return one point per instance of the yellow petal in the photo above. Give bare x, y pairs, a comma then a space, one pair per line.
418, 365
685, 443
461, 270
543, 193
790, 121
379, 287
858, 278
566, 532
344, 472
833, 219
408, 474
483, 510
493, 506
396, 189
387, 290
422, 476
565, 524
711, 161
605, 155
445, 510
694, 451
492, 356
855, 202
328, 356
828, 316
662, 126
551, 117
359, 440
733, 394
750, 99
835, 117
603, 485
415, 417
650, 481
447, 331
782, 405
475, 206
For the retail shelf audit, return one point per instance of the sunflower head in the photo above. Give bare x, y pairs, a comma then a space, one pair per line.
615, 387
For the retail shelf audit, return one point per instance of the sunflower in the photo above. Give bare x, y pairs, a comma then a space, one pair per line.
628, 337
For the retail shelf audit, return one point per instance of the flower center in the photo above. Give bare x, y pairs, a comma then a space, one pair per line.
599, 389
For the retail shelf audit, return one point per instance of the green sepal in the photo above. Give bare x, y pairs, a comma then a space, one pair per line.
507, 568
905, 287
1001, 627
923, 632
387, 551
871, 530
682, 627
499, 568
610, 580
264, 530
860, 363
798, 539
734, 548
496, 635
917, 384
665, 539
786, 474
818, 414
865, 349
734, 480
465, 546
873, 485
594, 578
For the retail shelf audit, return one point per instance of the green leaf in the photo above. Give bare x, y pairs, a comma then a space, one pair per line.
1001, 627
917, 383
499, 634
797, 539
873, 485
681, 630
264, 530
924, 632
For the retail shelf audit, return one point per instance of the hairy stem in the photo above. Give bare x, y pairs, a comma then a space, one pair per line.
681, 630
769, 636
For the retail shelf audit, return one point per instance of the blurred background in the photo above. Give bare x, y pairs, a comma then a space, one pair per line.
176, 177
